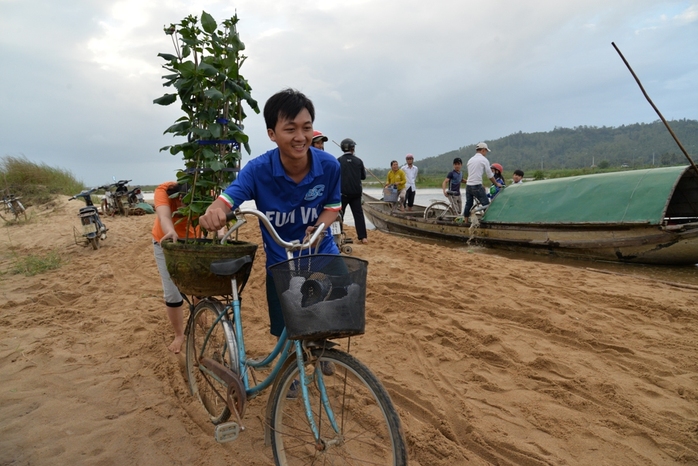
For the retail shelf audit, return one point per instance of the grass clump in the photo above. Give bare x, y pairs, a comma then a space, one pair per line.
35, 183
34, 264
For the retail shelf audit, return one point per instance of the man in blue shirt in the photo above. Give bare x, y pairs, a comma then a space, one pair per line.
296, 185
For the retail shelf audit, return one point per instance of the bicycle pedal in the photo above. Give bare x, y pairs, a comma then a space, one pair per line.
227, 432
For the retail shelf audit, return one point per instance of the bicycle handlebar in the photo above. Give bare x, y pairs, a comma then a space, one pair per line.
291, 246
84, 193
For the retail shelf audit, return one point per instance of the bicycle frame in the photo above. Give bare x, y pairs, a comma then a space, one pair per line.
282, 348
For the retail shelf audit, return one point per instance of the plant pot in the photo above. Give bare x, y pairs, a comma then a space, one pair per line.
188, 264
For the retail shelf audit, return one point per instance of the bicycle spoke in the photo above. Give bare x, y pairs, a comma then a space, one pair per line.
369, 431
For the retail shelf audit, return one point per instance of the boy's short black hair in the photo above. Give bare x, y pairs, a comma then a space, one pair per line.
518, 172
286, 104
457, 160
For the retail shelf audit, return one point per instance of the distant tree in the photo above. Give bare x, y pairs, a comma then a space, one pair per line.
604, 164
538, 175
573, 148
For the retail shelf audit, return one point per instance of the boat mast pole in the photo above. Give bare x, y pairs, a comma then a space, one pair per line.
656, 110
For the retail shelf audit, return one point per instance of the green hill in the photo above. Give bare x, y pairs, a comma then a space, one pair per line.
637, 145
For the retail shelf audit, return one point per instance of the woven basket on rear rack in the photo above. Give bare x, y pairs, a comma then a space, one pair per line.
188, 264
322, 296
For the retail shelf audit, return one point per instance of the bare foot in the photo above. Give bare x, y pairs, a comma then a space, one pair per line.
364, 241
176, 345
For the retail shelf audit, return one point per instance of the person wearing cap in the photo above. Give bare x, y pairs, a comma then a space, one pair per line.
451, 185
478, 165
352, 172
319, 140
411, 172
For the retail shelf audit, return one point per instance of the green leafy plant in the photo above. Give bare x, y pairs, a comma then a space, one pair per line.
205, 72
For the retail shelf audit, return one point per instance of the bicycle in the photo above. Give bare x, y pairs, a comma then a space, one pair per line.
13, 207
441, 210
346, 417
451, 211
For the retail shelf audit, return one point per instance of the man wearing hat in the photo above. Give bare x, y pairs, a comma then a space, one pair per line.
477, 166
319, 140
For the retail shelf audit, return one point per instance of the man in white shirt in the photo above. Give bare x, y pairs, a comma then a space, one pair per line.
477, 166
411, 172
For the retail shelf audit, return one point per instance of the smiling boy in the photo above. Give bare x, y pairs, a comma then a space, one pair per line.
296, 185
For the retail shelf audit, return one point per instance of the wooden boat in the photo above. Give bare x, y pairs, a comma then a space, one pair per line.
644, 216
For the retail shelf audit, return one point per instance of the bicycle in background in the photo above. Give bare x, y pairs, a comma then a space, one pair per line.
12, 208
325, 406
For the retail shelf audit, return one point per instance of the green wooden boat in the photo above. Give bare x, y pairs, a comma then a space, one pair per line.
644, 216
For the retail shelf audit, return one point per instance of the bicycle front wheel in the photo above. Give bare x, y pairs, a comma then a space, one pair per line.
210, 390
368, 427
436, 211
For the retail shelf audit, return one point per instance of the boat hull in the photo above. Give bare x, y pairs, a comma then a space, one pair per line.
649, 244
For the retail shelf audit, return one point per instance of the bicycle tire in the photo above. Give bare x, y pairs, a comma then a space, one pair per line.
436, 211
19, 209
120, 207
210, 393
370, 429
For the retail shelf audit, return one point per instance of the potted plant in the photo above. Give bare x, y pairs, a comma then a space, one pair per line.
205, 72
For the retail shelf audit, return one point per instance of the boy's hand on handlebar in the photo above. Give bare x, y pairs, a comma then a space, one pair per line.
214, 219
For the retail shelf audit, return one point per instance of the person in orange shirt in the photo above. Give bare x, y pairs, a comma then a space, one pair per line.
167, 228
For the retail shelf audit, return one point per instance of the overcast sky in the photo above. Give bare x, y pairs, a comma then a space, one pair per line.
398, 76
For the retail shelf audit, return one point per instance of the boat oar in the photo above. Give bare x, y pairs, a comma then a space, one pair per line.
656, 109
369, 171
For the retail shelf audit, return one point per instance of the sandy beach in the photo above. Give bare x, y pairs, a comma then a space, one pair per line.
525, 363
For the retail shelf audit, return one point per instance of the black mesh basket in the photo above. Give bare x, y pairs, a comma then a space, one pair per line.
322, 296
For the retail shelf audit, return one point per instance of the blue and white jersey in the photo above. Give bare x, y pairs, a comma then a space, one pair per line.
291, 207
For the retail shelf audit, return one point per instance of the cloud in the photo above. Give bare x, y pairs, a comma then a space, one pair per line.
396, 76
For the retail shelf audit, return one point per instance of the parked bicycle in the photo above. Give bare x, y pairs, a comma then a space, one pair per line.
313, 415
12, 208
450, 211
93, 230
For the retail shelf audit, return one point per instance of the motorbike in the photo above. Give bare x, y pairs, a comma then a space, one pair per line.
135, 197
93, 230
113, 201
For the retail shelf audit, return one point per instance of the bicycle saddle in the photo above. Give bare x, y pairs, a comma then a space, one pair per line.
229, 267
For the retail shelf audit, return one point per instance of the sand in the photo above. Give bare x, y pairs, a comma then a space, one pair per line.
488, 360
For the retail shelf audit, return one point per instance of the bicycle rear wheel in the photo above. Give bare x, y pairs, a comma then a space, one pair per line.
369, 427
200, 344
20, 210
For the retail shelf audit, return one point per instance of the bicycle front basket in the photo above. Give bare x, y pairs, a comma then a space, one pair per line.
322, 296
